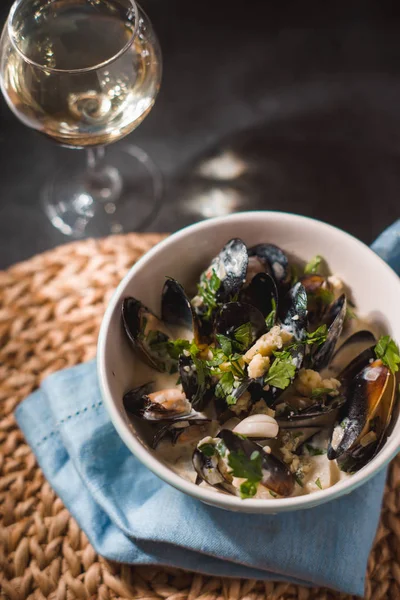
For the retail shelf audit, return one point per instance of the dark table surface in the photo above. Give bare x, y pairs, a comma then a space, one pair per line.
307, 94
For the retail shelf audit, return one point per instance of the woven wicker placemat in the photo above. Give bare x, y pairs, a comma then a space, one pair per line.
51, 307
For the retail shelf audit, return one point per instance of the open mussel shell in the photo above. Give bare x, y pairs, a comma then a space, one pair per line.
319, 290
261, 293
234, 314
369, 403
293, 316
138, 322
350, 349
175, 429
196, 384
275, 474
141, 403
275, 262
231, 266
335, 320
176, 309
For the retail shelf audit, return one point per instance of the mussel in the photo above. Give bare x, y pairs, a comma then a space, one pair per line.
275, 262
293, 315
215, 469
261, 293
319, 295
364, 418
176, 309
196, 383
351, 349
147, 334
232, 316
335, 320
168, 411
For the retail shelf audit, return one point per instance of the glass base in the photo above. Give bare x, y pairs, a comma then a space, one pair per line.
122, 194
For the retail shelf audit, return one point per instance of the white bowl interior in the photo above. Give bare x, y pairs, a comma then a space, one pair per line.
375, 288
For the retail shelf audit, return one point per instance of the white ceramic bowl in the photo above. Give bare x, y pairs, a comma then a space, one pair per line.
376, 290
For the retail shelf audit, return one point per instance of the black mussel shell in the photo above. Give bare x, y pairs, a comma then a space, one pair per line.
176, 309
175, 305
231, 266
234, 314
207, 470
222, 409
136, 319
135, 399
319, 295
275, 261
335, 320
293, 316
195, 382
366, 398
138, 402
275, 474
351, 349
261, 293
174, 429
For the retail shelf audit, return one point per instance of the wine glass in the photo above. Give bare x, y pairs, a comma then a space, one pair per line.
86, 73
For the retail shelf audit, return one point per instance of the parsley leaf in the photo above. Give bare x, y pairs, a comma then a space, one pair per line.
243, 466
248, 489
244, 335
318, 336
321, 392
207, 449
225, 343
221, 448
224, 388
314, 451
207, 290
281, 371
388, 351
271, 318
318, 483
313, 265
175, 348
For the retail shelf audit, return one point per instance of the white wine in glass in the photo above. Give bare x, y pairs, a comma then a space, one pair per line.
86, 73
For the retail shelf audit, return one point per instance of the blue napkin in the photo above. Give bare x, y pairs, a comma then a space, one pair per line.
131, 516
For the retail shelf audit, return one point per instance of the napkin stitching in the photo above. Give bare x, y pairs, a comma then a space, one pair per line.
67, 418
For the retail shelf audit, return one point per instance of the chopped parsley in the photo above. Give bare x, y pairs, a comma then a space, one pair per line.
321, 392
207, 290
160, 344
314, 451
318, 336
294, 275
318, 483
225, 388
271, 318
244, 335
247, 468
298, 479
281, 371
207, 449
225, 343
221, 448
388, 351
326, 296
273, 494
313, 266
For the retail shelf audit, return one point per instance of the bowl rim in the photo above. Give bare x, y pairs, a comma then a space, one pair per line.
272, 505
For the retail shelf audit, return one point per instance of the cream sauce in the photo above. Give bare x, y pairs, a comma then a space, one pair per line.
178, 457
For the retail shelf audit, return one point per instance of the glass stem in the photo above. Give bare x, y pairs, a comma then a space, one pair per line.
104, 182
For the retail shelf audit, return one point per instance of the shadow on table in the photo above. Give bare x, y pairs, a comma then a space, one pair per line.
339, 164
